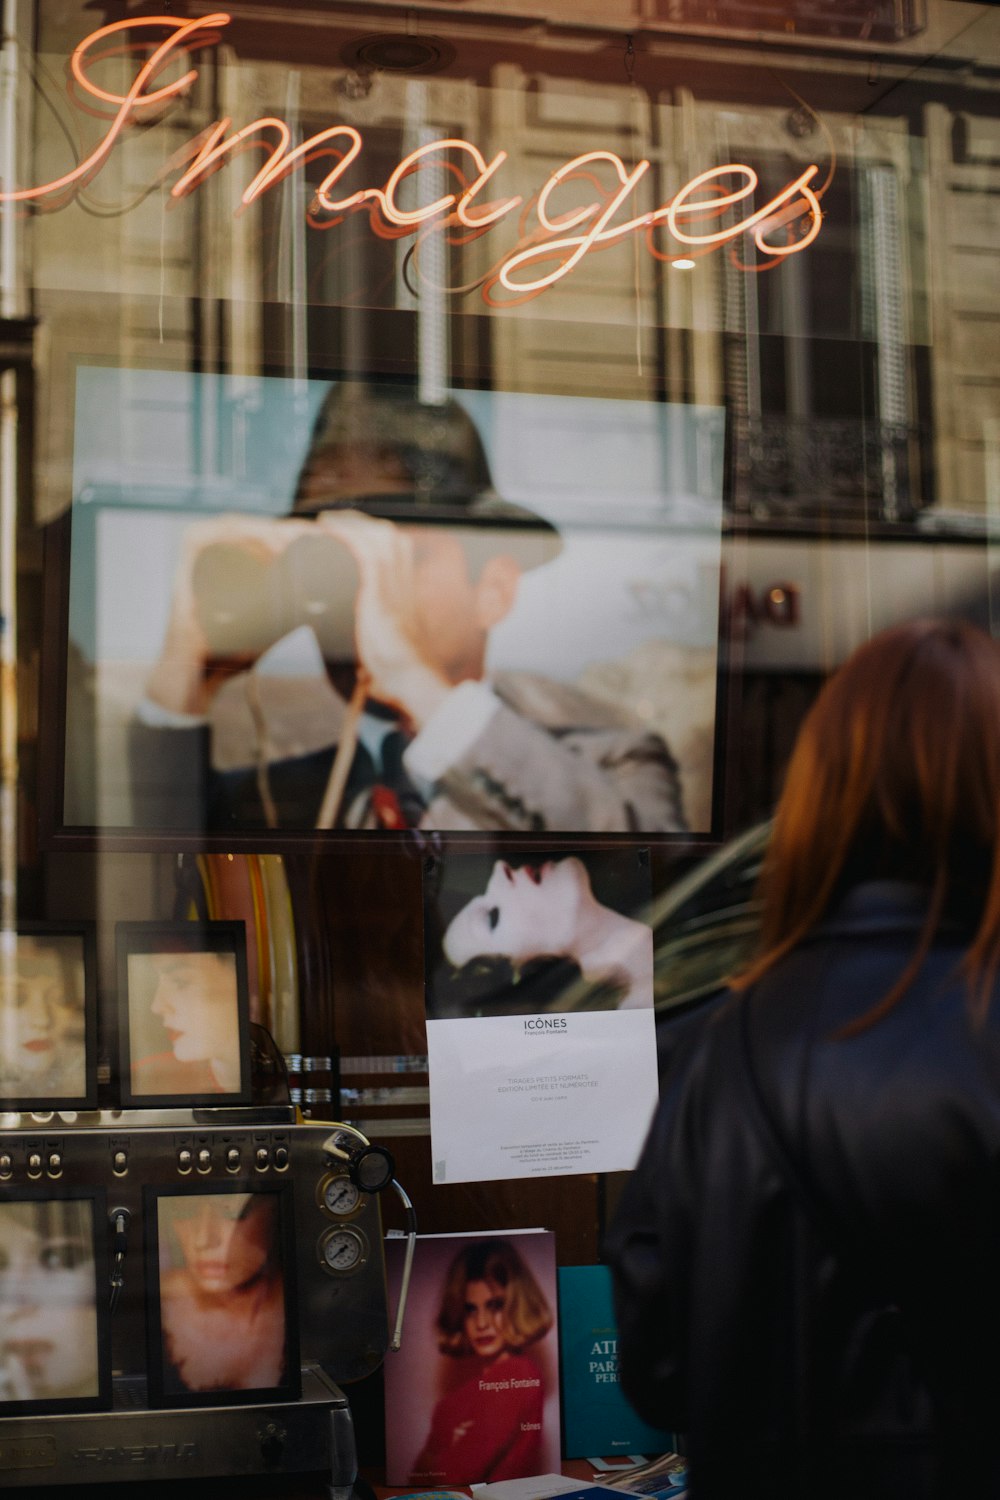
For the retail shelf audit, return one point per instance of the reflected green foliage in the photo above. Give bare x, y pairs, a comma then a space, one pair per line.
706, 922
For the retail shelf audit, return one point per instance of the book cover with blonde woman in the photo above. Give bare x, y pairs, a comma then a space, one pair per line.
473, 1394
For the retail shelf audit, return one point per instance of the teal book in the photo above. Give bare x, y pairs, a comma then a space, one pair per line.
597, 1420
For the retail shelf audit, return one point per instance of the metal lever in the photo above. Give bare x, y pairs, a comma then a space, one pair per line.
119, 1222
404, 1285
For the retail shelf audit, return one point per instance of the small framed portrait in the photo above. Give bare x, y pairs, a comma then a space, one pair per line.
54, 1316
48, 1018
183, 1013
221, 1303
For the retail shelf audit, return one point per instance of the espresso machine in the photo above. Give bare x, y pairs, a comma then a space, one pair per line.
126, 1166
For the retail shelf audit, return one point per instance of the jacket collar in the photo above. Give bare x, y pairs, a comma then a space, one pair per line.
881, 906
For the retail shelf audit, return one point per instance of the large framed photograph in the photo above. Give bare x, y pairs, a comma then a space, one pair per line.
221, 1300
360, 611
183, 1013
48, 1018
54, 1312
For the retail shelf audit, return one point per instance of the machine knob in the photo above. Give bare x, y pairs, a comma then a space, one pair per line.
281, 1158
204, 1159
272, 1443
184, 1159
34, 1165
263, 1159
6, 1165
232, 1159
55, 1164
119, 1164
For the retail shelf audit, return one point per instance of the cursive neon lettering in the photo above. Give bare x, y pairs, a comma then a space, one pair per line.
87, 169
787, 224
481, 221
571, 221
682, 205
789, 213
577, 245
280, 166
168, 90
408, 217
415, 216
323, 191
212, 151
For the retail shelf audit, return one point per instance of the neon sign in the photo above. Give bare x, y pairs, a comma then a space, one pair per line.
550, 245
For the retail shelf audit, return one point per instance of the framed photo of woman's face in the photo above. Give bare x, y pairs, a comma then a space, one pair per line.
183, 1013
54, 1316
48, 1018
221, 1300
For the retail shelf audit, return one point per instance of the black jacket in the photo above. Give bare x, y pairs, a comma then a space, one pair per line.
829, 1327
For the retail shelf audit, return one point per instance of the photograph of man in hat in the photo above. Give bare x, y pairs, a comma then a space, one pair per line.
330, 669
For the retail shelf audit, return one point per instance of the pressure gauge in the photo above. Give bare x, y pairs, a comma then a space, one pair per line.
338, 1195
342, 1251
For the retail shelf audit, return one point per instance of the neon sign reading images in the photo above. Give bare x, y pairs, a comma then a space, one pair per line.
552, 238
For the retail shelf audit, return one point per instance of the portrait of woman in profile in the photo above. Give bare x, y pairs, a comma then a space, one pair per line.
538, 938
184, 1022
222, 1297
488, 1423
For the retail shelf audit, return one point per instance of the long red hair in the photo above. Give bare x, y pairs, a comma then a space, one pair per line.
895, 773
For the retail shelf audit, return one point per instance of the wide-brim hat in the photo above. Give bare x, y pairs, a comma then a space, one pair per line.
378, 448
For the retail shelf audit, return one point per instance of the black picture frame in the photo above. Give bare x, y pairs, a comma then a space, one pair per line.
73, 1078
167, 1276
162, 764
46, 1338
173, 1078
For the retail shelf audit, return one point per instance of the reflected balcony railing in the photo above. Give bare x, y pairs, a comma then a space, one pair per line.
849, 20
834, 467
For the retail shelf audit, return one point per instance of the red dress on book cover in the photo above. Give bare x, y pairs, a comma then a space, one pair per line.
487, 1428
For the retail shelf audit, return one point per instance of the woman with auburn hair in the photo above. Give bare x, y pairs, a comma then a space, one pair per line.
806, 1258
489, 1425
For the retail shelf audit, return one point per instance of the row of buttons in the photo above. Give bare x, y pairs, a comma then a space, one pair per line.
52, 1164
187, 1159
202, 1158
